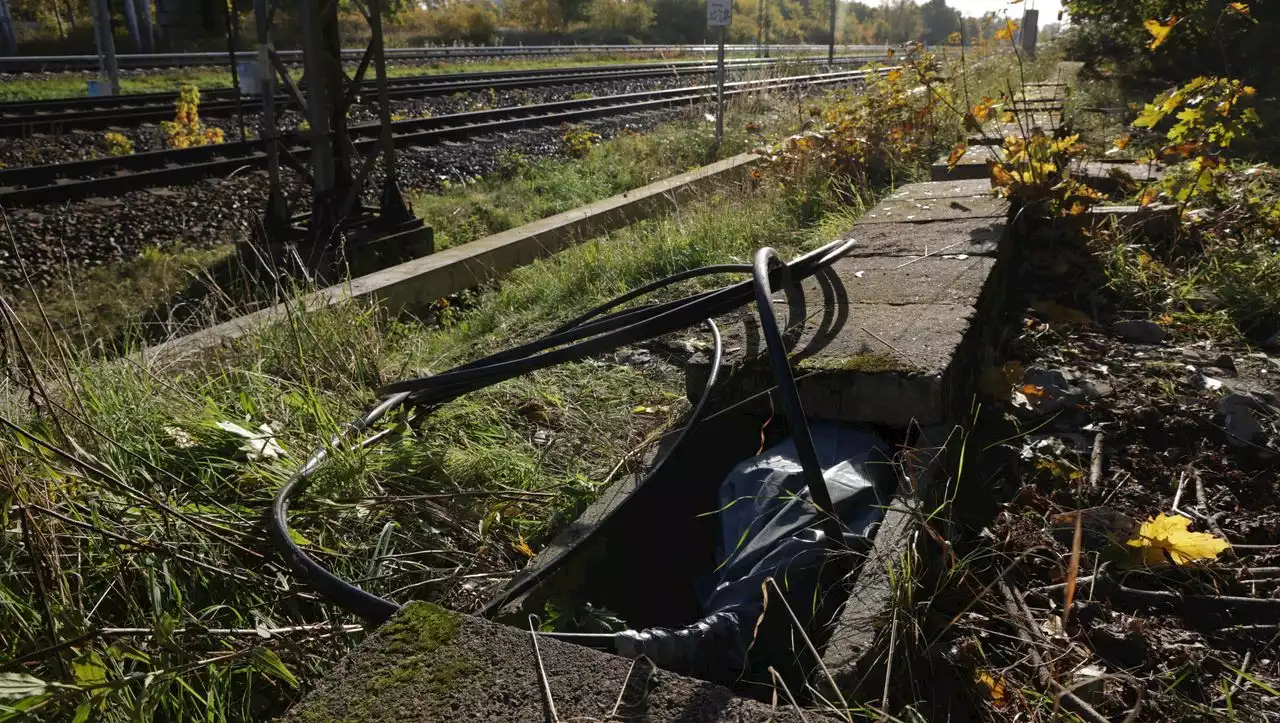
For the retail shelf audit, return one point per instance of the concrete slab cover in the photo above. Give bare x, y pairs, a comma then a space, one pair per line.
431, 665
942, 209
876, 337
971, 236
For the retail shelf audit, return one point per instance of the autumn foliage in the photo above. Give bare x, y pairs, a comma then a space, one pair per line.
186, 130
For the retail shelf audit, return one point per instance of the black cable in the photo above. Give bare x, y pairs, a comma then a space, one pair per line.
790, 396
579, 340
537, 575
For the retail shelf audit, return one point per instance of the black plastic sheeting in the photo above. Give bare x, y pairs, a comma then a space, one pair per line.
769, 527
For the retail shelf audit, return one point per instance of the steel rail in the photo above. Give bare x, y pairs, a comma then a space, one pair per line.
54, 63
102, 177
20, 119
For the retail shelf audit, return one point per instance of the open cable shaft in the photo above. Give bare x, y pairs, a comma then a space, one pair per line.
589, 334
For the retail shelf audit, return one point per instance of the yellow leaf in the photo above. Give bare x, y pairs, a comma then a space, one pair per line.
1000, 177
1123, 142
1239, 7
955, 39
994, 685
894, 76
522, 547
1059, 314
889, 52
1006, 33
956, 154
1159, 32
1168, 535
1148, 196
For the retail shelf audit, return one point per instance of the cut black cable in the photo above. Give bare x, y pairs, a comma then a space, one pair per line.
585, 336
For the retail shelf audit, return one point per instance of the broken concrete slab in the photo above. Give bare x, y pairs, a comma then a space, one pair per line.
428, 664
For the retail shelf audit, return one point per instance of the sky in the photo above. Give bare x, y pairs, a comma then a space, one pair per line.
1048, 8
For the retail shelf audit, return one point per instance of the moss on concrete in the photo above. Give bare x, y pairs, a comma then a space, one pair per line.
871, 363
408, 664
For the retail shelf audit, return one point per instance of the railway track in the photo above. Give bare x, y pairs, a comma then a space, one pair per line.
24, 118
115, 175
53, 63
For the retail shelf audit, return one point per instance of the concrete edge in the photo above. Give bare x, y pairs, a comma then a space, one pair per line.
415, 283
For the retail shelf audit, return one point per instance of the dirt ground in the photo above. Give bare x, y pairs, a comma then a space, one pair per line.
1118, 419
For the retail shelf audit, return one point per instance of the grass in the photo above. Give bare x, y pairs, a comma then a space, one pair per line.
165, 292
158, 507
133, 520
118, 300
525, 190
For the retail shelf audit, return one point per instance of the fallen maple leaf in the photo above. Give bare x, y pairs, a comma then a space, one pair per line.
1159, 31
956, 154
1168, 534
994, 685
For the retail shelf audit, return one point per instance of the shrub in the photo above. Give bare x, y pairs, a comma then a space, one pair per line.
471, 22
579, 141
620, 20
117, 144
186, 130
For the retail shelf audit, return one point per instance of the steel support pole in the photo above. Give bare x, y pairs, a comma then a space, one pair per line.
233, 35
145, 28
106, 44
760, 28
276, 217
719, 88
8, 39
131, 19
393, 210
319, 32
831, 49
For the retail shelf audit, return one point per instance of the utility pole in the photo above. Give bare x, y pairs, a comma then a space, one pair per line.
759, 28
831, 49
276, 219
142, 8
8, 41
719, 15
106, 44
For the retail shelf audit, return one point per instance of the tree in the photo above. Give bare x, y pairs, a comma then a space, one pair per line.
543, 15
620, 20
939, 22
900, 22
679, 21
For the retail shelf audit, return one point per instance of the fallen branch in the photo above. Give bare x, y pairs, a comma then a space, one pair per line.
1095, 465
1023, 625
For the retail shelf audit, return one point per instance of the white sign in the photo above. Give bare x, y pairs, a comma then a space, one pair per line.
719, 12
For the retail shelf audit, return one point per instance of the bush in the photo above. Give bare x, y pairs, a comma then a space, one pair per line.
620, 20
459, 22
1209, 37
